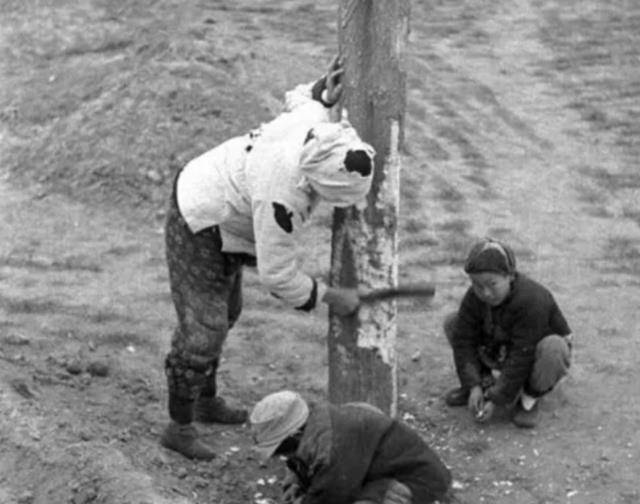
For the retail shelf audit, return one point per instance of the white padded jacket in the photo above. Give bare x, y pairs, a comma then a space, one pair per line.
260, 188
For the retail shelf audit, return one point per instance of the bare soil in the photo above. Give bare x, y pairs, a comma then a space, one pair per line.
523, 123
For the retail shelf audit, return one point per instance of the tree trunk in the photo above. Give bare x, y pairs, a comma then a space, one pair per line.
362, 361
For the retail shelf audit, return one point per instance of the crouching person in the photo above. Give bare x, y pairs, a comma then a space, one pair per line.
507, 323
346, 454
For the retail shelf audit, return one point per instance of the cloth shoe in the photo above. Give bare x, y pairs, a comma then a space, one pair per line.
457, 397
526, 419
215, 410
184, 440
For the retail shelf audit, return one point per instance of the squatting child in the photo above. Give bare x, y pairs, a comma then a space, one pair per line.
508, 323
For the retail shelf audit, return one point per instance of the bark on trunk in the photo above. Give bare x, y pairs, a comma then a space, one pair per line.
362, 361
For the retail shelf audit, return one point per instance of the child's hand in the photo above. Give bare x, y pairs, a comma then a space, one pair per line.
333, 86
476, 400
397, 493
486, 412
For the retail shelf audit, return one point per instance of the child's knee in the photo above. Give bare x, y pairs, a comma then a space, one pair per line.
554, 350
553, 358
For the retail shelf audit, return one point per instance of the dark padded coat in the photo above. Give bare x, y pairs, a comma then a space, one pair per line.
528, 314
354, 451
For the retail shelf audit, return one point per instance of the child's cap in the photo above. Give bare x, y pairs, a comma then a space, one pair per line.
276, 417
489, 255
337, 163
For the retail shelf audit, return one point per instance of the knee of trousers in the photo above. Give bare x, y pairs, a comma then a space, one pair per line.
553, 358
185, 382
190, 369
198, 340
554, 350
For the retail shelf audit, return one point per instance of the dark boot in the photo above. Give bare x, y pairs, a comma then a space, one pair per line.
181, 435
526, 419
184, 439
215, 410
210, 408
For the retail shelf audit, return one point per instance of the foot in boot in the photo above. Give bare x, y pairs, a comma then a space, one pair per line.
526, 419
457, 397
184, 440
215, 410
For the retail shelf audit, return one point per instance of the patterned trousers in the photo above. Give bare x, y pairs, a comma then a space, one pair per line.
206, 288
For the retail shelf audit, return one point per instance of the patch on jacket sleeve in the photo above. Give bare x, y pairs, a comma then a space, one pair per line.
358, 161
283, 217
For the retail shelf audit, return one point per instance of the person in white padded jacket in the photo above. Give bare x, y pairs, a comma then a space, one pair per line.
243, 203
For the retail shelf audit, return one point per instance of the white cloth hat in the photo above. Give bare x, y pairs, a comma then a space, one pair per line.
323, 163
276, 417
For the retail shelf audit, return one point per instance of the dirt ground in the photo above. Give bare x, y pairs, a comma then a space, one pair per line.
523, 123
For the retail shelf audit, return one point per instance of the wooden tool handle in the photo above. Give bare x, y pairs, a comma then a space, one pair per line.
412, 290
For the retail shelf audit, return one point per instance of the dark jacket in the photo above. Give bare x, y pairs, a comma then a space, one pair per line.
354, 451
509, 333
